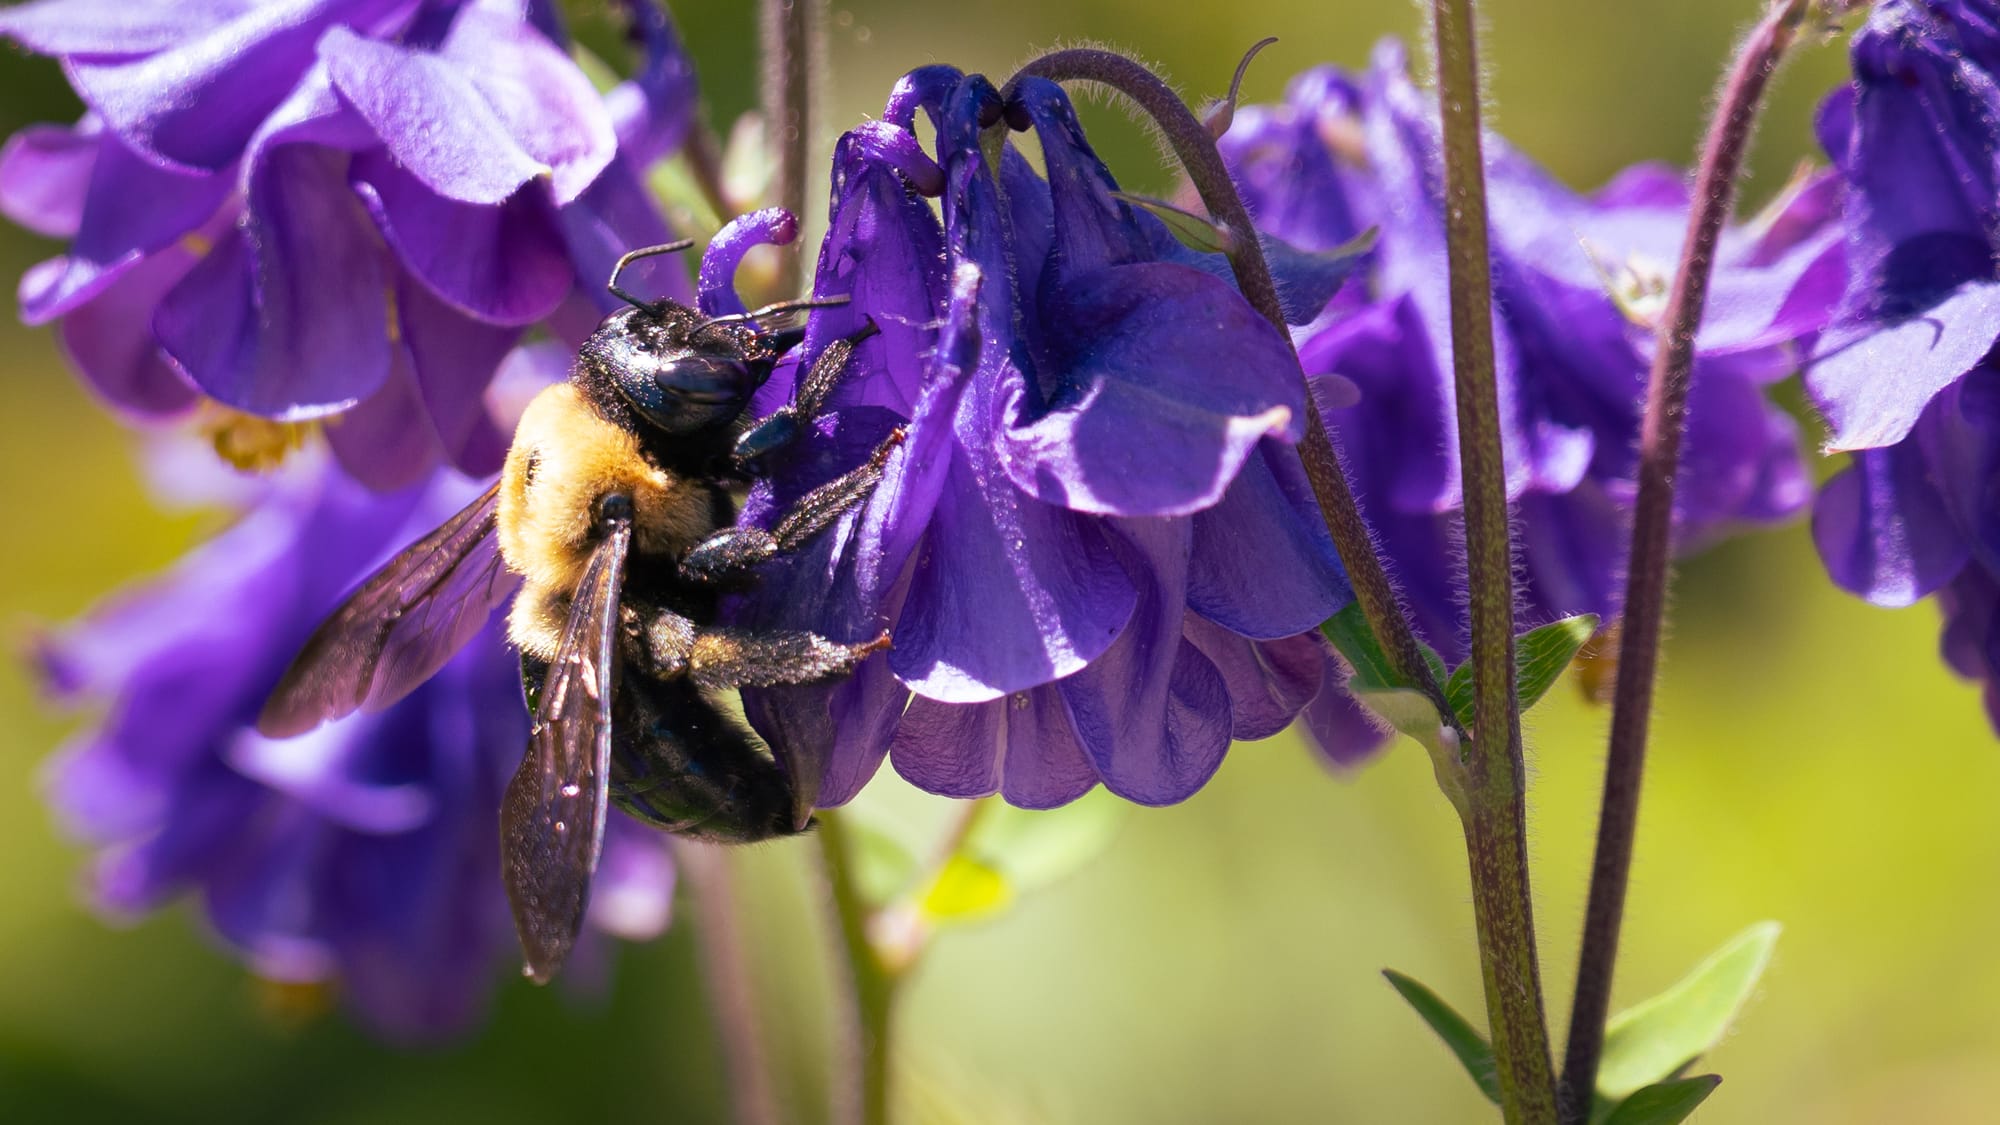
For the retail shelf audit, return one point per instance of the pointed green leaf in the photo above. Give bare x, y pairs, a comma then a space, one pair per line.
1035, 847
1656, 1038
1664, 1103
1463, 1039
1355, 640
1540, 655
1196, 232
965, 890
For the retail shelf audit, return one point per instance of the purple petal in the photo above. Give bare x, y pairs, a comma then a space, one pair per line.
506, 264
1268, 681
1151, 711
632, 892
386, 442
109, 339
44, 175
1009, 593
1170, 381
197, 102
455, 358
716, 282
288, 316
1264, 565
612, 216
1925, 353
319, 771
113, 27
1341, 729
951, 749
1044, 765
131, 209
497, 107
1883, 531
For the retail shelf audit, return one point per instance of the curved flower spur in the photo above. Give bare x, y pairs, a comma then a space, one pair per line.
612, 520
1096, 558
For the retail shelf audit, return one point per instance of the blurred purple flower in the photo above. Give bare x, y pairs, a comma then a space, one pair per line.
1096, 555
364, 854
1576, 283
1908, 377
307, 208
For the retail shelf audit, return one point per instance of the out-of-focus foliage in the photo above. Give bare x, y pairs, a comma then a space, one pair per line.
1815, 764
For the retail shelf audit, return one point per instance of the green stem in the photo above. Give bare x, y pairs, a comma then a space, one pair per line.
1496, 816
874, 982
718, 928
1723, 150
789, 31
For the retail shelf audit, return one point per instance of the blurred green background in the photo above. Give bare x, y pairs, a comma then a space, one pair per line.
1813, 763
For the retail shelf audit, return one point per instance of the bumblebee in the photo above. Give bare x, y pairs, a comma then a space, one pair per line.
611, 527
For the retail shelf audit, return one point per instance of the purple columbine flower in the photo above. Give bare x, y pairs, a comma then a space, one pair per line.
1907, 376
1095, 552
1577, 283
365, 854
314, 208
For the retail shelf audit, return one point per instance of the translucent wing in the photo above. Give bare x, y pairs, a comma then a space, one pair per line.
399, 628
552, 818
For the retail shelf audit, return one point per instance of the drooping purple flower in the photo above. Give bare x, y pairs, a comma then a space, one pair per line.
365, 854
1095, 553
345, 208
1908, 377
1577, 281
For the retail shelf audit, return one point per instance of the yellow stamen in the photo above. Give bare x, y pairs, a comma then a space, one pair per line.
250, 443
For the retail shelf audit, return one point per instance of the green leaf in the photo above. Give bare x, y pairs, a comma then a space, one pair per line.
965, 890
1196, 232
1655, 1038
1033, 848
1664, 1103
1463, 1039
1540, 655
1351, 635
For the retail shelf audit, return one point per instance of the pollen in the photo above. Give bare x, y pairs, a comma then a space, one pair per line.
250, 443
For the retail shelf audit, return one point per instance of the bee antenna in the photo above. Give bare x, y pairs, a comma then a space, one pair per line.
778, 309
636, 255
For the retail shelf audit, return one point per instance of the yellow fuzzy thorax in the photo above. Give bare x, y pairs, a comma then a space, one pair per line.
546, 515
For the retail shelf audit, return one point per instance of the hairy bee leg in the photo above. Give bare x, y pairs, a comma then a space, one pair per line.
785, 424
736, 550
727, 658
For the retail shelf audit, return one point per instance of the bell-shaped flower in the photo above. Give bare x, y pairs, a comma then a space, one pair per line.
1094, 551
1907, 376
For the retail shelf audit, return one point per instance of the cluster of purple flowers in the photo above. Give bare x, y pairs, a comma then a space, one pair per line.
1906, 375
354, 209
310, 208
1577, 281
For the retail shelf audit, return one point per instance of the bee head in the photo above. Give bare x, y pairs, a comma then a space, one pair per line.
678, 378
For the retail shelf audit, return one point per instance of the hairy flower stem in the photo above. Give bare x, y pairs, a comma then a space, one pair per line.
874, 982
1652, 540
1195, 148
789, 32
719, 932
1496, 823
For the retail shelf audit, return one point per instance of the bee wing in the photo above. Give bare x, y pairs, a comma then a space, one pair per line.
400, 627
552, 819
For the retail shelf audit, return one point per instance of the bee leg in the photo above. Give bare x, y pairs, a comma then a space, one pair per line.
787, 422
734, 551
656, 641
726, 658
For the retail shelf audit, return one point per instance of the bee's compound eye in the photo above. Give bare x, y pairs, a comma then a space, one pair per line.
613, 507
